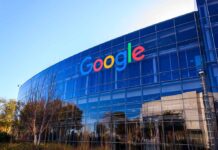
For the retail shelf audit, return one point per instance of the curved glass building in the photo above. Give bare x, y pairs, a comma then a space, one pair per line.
155, 88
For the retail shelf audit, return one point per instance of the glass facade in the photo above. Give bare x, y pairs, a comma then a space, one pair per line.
168, 100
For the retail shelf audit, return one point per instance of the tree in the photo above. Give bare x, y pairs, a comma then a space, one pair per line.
40, 107
2, 103
16, 126
7, 115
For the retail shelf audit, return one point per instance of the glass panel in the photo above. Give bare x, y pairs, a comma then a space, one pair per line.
166, 37
187, 31
215, 34
150, 79
133, 70
171, 89
69, 89
117, 41
149, 41
164, 62
175, 75
147, 30
191, 57
132, 36
148, 67
213, 9
165, 25
174, 61
165, 76
183, 59
184, 19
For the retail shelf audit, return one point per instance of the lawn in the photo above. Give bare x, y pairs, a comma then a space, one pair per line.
49, 146
30, 146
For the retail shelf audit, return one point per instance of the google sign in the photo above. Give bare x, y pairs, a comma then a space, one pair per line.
120, 61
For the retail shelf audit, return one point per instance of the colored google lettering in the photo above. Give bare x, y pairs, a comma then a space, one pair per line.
120, 61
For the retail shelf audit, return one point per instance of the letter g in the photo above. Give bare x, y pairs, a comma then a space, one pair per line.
86, 66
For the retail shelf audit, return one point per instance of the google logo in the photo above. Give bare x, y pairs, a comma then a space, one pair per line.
120, 61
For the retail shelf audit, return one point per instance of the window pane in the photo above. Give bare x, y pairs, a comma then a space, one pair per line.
147, 67
164, 62
184, 19
165, 25
148, 79
187, 31
165, 76
147, 30
213, 9
175, 75
182, 59
191, 57
166, 37
215, 34
174, 61
132, 36
133, 70
149, 41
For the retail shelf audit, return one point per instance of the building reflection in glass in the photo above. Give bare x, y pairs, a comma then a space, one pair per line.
172, 122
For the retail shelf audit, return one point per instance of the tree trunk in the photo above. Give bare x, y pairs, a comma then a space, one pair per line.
34, 132
35, 139
39, 139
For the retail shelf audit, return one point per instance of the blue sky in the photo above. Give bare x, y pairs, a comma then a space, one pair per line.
35, 34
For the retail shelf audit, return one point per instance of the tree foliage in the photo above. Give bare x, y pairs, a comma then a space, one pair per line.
7, 115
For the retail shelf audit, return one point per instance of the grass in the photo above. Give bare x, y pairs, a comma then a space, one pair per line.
30, 146
49, 146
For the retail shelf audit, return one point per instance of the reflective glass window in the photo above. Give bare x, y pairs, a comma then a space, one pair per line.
69, 89
60, 90
165, 76
92, 80
149, 41
149, 79
121, 75
164, 62
82, 82
189, 44
193, 72
201, 2
106, 75
171, 89
184, 73
133, 66
151, 52
132, 36
183, 59
148, 66
167, 49
174, 61
117, 48
175, 75
121, 84
134, 82
165, 25
191, 56
187, 31
184, 19
166, 37
151, 93
203, 11
147, 30
213, 8
215, 34
117, 41
105, 46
